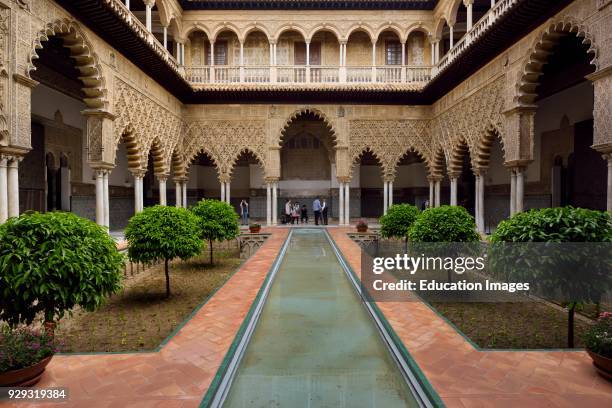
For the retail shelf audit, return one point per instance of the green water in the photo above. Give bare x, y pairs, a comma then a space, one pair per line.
315, 345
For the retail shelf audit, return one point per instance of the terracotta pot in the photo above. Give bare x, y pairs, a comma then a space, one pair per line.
24, 377
602, 364
362, 229
254, 230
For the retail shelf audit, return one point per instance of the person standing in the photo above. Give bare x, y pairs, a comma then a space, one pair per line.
287, 217
304, 214
324, 212
316, 208
244, 212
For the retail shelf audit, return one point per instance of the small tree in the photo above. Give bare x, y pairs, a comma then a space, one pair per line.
444, 224
582, 272
398, 220
51, 263
163, 233
218, 222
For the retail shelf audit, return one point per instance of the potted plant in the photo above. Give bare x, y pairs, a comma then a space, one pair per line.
254, 228
162, 233
50, 263
362, 225
598, 343
218, 222
24, 355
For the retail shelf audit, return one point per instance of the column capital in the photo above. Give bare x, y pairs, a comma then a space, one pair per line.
434, 178
467, 3
271, 180
149, 3
454, 175
162, 178
344, 180
138, 173
479, 171
517, 164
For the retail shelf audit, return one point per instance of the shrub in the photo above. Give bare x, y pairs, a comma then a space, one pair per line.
444, 224
564, 224
598, 338
218, 221
53, 262
398, 220
579, 271
23, 347
163, 233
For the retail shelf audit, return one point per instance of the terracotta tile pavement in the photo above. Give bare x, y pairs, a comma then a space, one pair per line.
177, 376
467, 378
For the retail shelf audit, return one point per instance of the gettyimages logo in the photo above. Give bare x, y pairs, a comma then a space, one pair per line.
411, 264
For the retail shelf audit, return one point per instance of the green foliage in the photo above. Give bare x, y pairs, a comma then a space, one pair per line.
53, 262
598, 338
398, 220
23, 347
564, 224
163, 233
218, 221
444, 224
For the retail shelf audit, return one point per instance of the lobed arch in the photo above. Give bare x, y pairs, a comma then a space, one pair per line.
438, 163
482, 150
289, 27
156, 150
319, 28
455, 161
363, 28
133, 148
178, 164
191, 157
305, 111
367, 149
83, 54
411, 149
246, 150
537, 57
394, 28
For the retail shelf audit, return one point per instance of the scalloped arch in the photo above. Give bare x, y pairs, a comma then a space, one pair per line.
539, 52
81, 50
246, 150
304, 111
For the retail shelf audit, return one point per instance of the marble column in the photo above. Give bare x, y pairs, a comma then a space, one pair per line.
453, 190
347, 204
148, 14
100, 197
385, 197
340, 212
138, 193
223, 191
268, 204
512, 192
178, 194
162, 190
274, 203
184, 191
469, 5
479, 202
437, 192
3, 188
106, 200
390, 194
13, 186
520, 189
227, 192
431, 194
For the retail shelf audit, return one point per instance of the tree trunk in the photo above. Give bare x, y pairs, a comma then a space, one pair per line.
167, 278
210, 244
571, 309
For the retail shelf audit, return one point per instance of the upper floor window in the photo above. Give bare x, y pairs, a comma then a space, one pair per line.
221, 53
393, 53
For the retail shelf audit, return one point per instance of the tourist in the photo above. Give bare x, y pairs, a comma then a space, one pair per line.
316, 208
304, 214
324, 212
287, 217
295, 210
244, 212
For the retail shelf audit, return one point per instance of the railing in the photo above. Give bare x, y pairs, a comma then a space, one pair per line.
477, 30
291, 75
324, 75
256, 74
359, 74
389, 74
197, 75
224, 74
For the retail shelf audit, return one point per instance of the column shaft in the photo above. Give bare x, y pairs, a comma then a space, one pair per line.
178, 194
347, 203
274, 208
100, 197
512, 192
3, 189
341, 204
222, 191
106, 200
227, 192
453, 191
268, 204
162, 192
437, 192
184, 191
431, 194
385, 197
390, 194
13, 187
520, 190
